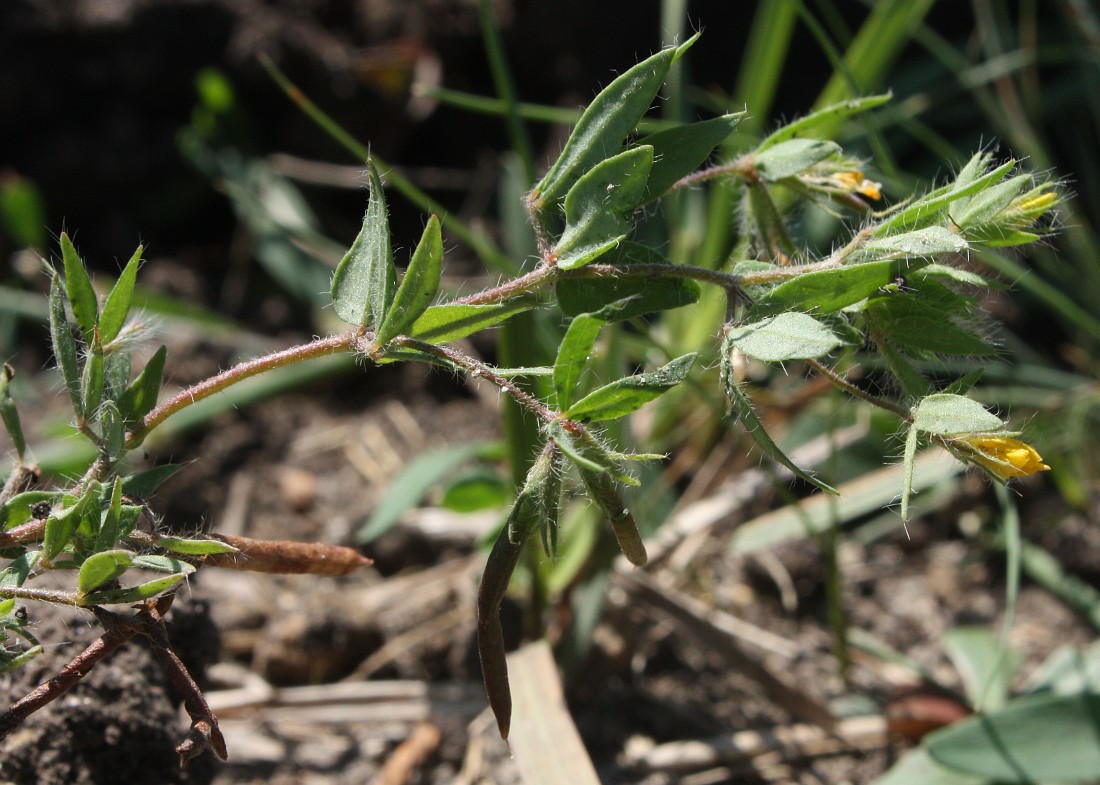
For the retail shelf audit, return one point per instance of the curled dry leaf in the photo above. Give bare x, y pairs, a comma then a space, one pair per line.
915, 713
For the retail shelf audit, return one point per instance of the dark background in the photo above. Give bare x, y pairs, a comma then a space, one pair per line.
94, 93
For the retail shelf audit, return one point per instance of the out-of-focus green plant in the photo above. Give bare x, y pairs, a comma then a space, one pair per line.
891, 289
1046, 733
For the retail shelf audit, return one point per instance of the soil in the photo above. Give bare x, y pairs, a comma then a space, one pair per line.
335, 681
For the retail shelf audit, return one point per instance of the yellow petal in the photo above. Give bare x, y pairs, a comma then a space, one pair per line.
1005, 457
855, 181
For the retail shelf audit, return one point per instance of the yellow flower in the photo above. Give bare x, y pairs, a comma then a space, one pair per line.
1004, 457
855, 181
1025, 210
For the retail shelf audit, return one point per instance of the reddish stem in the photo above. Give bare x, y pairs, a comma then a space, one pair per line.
240, 372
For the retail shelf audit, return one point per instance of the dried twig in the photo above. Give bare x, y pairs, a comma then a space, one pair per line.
409, 754
148, 622
204, 733
791, 741
366, 701
544, 739
691, 616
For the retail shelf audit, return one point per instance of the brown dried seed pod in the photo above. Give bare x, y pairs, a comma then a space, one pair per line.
286, 557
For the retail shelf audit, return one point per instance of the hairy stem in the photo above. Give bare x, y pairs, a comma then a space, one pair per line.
785, 273
30, 531
529, 282
851, 389
238, 373
479, 369
728, 281
742, 167
43, 595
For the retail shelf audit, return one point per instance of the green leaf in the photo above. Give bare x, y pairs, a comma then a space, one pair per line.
163, 564
741, 408
883, 34
9, 664
958, 275
995, 236
1044, 738
640, 294
19, 569
476, 490
538, 501
9, 414
62, 523
408, 488
17, 510
973, 168
592, 457
23, 211
116, 374
364, 282
749, 266
215, 90
786, 336
280, 224
764, 219
64, 345
826, 291
928, 241
827, 117
913, 384
192, 547
786, 159
112, 428
117, 305
984, 664
628, 395
601, 487
144, 591
928, 208
110, 527
1067, 670
99, 568
605, 123
82, 297
573, 354
550, 502
946, 414
917, 768
419, 286
142, 484
677, 152
450, 322
141, 396
599, 205
920, 326
588, 453
91, 385
987, 205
